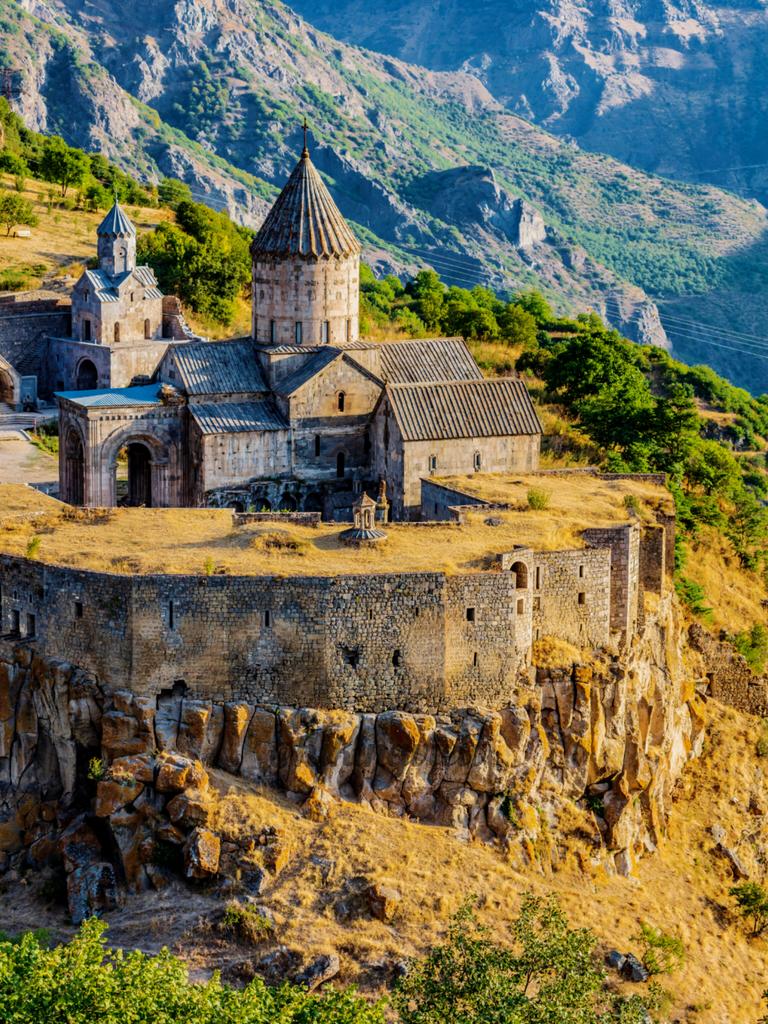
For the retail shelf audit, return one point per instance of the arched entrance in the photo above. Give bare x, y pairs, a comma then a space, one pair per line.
7, 395
520, 569
313, 502
139, 475
74, 469
87, 376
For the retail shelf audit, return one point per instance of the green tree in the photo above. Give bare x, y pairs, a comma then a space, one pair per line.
429, 294
171, 192
518, 326
15, 209
62, 164
752, 902
533, 302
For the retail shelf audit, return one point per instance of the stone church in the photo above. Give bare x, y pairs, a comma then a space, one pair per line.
303, 415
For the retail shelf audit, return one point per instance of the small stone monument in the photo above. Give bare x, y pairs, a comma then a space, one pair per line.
365, 532
382, 503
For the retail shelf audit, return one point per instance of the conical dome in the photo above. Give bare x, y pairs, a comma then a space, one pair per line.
116, 224
305, 221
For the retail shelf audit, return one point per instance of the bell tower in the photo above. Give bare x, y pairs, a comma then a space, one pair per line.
116, 243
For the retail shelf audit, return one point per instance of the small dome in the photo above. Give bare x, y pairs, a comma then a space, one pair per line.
116, 224
305, 221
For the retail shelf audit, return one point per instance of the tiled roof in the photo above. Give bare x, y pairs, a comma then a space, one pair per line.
305, 221
106, 288
414, 362
116, 223
218, 368
461, 409
236, 417
147, 394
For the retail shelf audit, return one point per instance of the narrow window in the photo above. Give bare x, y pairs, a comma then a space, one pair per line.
370, 614
520, 606
470, 614
474, 659
582, 598
170, 615
30, 624
349, 330
131, 296
267, 619
147, 329
581, 572
272, 331
325, 331
396, 659
86, 330
117, 332
78, 609
341, 400
432, 463
86, 295
317, 446
298, 332
538, 577
15, 623
537, 604
340, 465
478, 462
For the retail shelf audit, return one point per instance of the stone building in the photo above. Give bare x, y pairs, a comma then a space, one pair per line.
303, 415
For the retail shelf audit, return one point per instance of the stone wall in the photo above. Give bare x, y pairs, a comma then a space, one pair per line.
729, 678
25, 325
624, 542
571, 598
116, 367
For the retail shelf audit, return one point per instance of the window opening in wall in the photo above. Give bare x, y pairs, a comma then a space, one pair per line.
272, 331
170, 615
582, 598
325, 331
31, 624
349, 330
470, 614
317, 446
370, 614
15, 623
78, 609
432, 463
520, 569
267, 619
474, 659
581, 572
340, 464
396, 660
538, 577
131, 296
520, 606
117, 332
537, 604
478, 462
350, 656
298, 332
538, 633
147, 329
86, 330
341, 400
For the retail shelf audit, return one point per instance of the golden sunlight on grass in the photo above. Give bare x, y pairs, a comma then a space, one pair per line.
736, 596
200, 540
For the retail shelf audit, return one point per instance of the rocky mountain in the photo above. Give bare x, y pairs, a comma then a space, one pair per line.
428, 164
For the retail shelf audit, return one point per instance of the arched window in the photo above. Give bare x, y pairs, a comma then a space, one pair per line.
341, 400
87, 376
478, 462
147, 328
117, 332
520, 569
340, 464
272, 331
298, 332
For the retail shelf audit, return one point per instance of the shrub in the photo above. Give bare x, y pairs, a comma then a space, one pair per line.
246, 923
33, 546
96, 769
538, 498
662, 953
631, 504
752, 902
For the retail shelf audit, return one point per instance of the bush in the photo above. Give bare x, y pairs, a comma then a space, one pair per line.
246, 923
662, 953
752, 902
538, 499
33, 547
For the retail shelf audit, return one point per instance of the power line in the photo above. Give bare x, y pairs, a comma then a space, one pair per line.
680, 323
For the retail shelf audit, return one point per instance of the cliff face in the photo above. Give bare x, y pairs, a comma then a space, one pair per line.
586, 755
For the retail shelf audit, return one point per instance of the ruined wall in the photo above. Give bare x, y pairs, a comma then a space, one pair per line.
25, 325
729, 678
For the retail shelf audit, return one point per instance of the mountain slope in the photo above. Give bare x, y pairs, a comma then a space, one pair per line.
430, 167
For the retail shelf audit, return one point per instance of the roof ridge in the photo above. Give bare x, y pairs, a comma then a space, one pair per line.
456, 383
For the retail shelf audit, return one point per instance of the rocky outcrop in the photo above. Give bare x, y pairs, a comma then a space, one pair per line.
589, 752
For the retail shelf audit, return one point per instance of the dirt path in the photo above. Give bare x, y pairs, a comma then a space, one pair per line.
22, 463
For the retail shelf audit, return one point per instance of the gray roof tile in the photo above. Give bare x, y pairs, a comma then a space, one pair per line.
413, 362
449, 410
116, 223
236, 417
218, 368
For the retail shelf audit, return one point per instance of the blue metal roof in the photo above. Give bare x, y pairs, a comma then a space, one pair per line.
146, 394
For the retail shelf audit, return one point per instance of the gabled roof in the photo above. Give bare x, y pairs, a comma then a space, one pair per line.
450, 410
323, 358
413, 362
105, 288
218, 368
305, 221
116, 224
236, 417
147, 394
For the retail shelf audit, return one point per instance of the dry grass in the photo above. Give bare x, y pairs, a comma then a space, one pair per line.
735, 594
682, 888
184, 540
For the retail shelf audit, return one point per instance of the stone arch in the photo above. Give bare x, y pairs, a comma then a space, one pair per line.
288, 503
73, 466
87, 376
520, 569
10, 384
155, 464
139, 475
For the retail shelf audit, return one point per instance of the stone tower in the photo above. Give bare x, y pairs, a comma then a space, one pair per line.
306, 267
117, 243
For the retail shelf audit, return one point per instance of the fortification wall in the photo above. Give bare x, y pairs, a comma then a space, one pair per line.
25, 326
571, 599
